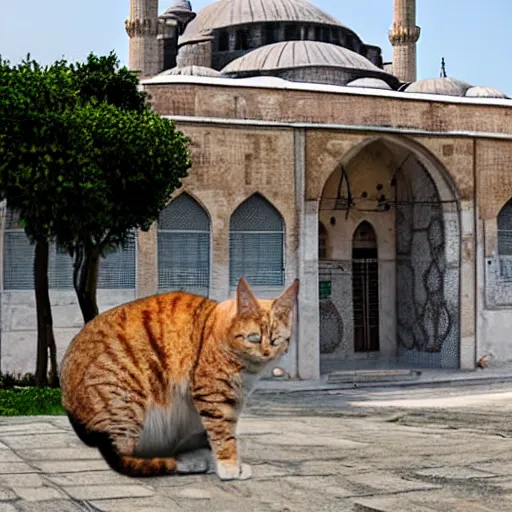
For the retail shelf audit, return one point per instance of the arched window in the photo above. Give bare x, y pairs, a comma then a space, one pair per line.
184, 247
322, 242
505, 241
117, 269
256, 244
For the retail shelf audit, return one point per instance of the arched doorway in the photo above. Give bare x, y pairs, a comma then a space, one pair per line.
365, 289
393, 224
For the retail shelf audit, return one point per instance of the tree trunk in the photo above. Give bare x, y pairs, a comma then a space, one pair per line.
85, 280
45, 338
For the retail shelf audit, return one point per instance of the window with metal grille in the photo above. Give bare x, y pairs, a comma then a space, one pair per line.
322, 242
184, 247
505, 241
117, 269
256, 244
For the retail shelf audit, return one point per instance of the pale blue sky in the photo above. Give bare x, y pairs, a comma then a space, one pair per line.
473, 38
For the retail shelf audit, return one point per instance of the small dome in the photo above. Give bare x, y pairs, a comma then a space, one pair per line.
181, 11
441, 86
184, 5
370, 83
229, 13
192, 71
485, 92
299, 54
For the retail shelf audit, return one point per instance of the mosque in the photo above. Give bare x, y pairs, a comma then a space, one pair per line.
389, 197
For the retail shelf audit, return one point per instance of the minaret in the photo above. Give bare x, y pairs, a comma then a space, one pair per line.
145, 53
403, 36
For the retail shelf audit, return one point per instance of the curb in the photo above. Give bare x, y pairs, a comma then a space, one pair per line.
452, 382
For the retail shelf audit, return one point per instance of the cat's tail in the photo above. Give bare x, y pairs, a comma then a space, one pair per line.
124, 464
137, 467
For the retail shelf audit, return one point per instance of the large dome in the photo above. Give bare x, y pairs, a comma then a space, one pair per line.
307, 61
228, 13
299, 54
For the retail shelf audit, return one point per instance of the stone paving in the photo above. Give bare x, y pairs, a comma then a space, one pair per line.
310, 452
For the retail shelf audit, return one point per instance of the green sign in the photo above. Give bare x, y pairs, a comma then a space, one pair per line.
325, 289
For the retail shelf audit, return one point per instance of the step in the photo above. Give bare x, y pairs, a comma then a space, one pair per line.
372, 376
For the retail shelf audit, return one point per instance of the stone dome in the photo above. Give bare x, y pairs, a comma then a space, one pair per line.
370, 83
442, 86
306, 61
298, 54
192, 71
181, 4
228, 13
485, 92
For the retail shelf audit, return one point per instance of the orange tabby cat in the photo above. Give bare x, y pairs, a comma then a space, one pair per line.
158, 384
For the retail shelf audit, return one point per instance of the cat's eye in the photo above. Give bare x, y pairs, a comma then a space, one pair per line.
254, 337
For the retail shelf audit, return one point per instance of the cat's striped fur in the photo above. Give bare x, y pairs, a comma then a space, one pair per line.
157, 385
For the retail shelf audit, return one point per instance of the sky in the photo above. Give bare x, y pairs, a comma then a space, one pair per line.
472, 38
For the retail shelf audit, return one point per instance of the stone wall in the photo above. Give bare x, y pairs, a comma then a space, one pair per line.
348, 108
18, 343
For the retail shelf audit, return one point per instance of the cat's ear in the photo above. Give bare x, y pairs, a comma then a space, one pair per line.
283, 305
246, 302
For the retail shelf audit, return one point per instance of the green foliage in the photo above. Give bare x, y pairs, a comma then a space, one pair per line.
28, 401
102, 79
82, 156
127, 166
33, 139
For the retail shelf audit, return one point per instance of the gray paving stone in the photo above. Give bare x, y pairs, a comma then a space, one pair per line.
26, 442
152, 504
49, 506
97, 492
70, 454
74, 466
7, 507
38, 493
21, 480
29, 428
307, 453
388, 483
7, 494
9, 456
10, 468
496, 468
107, 477
388, 504
454, 473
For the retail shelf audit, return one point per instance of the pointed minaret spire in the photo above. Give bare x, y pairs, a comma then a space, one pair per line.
404, 35
145, 55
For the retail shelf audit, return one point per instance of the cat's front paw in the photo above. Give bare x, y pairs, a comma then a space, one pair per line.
227, 471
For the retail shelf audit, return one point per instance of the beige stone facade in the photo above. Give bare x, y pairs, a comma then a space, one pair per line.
289, 145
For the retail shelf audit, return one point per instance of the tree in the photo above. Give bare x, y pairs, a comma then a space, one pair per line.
84, 161
33, 150
134, 164
129, 165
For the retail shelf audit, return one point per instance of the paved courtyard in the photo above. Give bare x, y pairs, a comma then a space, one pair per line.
388, 450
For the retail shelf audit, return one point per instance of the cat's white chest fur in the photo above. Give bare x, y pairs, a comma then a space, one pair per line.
166, 428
